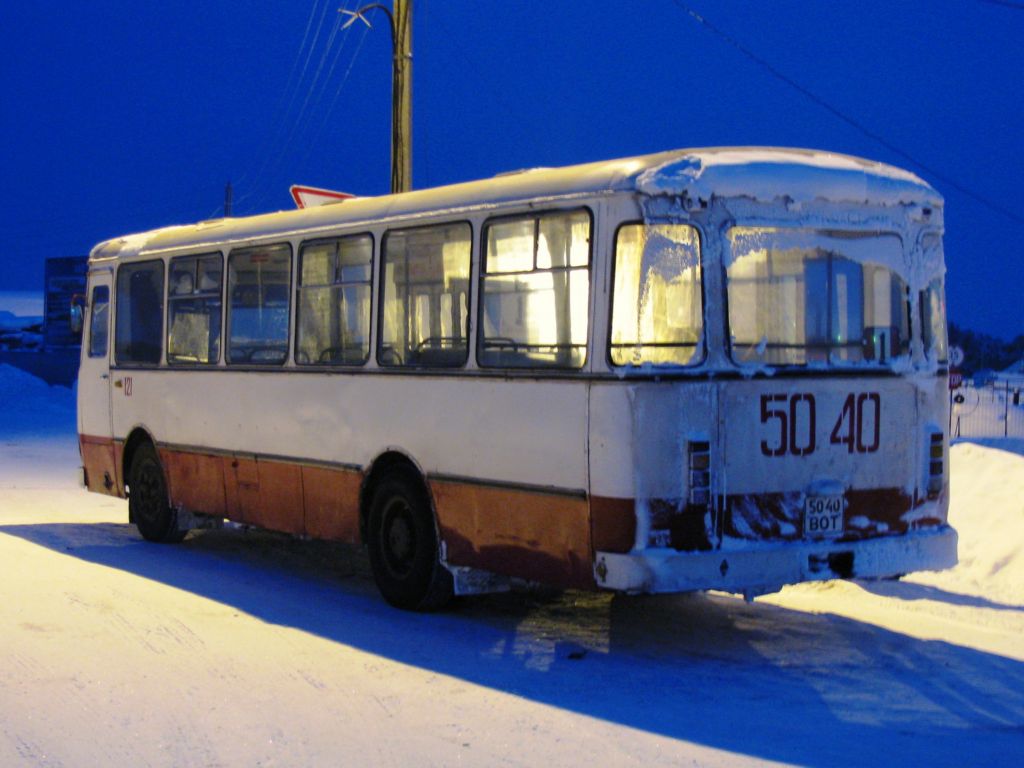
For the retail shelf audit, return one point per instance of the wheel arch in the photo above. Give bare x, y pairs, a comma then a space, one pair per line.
136, 437
389, 460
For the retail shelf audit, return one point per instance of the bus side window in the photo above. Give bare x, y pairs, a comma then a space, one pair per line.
425, 297
99, 321
656, 298
259, 292
536, 291
140, 313
334, 301
193, 309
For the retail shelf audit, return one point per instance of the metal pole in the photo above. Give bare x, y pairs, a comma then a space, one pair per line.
1006, 409
401, 96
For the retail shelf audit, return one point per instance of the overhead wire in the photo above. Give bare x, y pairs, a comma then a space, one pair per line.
1005, 4
285, 126
852, 122
299, 126
314, 141
272, 136
290, 83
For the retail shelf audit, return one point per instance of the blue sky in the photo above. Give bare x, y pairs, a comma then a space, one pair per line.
121, 116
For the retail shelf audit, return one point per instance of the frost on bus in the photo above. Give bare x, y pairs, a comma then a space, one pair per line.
698, 369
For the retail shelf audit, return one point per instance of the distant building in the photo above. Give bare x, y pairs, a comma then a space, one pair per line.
65, 277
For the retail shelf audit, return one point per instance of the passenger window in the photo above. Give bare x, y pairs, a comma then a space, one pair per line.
140, 313
99, 321
424, 312
657, 314
932, 303
259, 287
193, 310
334, 301
536, 291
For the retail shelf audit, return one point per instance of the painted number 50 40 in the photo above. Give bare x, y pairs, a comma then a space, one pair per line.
792, 424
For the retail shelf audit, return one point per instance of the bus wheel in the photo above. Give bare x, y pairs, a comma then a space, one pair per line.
147, 498
404, 551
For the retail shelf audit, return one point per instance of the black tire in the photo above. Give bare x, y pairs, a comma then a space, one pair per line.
148, 503
403, 544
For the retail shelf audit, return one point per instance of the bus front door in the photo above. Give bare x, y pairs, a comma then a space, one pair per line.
95, 430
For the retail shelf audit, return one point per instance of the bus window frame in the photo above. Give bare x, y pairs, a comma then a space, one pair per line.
226, 323
536, 215
377, 333
918, 324
610, 304
118, 362
222, 354
105, 352
374, 299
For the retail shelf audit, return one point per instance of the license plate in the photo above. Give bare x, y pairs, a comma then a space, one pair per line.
823, 517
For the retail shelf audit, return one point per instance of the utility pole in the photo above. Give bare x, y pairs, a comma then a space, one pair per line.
228, 199
401, 110
401, 86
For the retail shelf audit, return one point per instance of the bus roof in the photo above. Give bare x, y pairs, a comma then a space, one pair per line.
759, 173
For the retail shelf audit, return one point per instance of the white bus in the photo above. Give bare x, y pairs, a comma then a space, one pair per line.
699, 369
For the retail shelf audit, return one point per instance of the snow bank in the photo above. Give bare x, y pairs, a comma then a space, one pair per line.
31, 406
987, 509
22, 303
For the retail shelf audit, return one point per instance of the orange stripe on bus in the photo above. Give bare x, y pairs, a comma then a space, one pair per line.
100, 459
531, 535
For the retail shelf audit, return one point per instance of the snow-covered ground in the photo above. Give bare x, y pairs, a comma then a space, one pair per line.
245, 648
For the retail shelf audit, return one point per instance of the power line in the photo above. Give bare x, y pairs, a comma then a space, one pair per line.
286, 95
285, 122
314, 142
854, 123
1005, 4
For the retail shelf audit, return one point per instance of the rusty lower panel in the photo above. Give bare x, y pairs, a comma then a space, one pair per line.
532, 535
241, 487
99, 458
196, 481
277, 501
779, 516
281, 496
612, 524
331, 501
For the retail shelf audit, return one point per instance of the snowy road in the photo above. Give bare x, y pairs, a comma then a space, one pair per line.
247, 649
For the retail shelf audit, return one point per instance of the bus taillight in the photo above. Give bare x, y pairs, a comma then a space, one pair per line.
936, 465
692, 529
699, 466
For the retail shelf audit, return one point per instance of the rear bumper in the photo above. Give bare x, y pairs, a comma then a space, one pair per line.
766, 569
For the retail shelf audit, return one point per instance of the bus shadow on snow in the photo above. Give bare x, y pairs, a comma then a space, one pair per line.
756, 679
909, 591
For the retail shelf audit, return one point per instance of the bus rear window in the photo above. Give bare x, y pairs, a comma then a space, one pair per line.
656, 299
803, 297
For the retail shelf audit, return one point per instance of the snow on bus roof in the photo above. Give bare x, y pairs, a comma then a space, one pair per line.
759, 173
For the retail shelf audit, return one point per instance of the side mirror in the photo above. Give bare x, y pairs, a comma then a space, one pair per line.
77, 319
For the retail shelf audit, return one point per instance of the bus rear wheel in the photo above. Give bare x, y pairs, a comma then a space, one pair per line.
403, 544
148, 503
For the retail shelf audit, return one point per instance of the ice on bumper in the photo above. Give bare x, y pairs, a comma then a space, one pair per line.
759, 570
